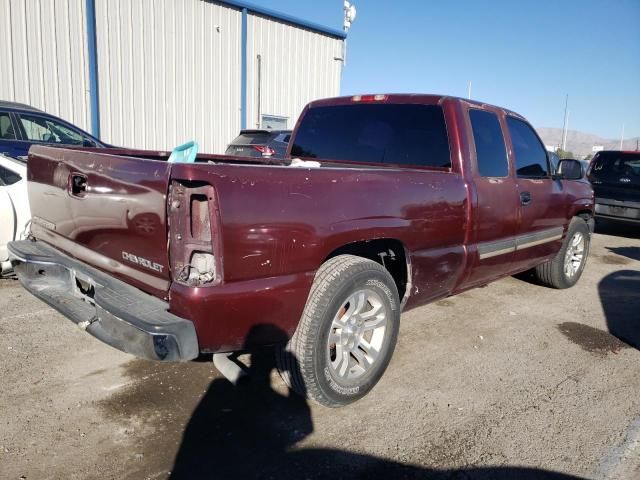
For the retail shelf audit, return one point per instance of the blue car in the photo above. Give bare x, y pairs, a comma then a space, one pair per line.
22, 126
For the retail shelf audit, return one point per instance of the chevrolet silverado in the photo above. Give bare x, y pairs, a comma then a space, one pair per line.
382, 203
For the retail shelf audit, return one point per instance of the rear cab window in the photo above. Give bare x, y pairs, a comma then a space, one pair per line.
252, 138
393, 134
616, 168
531, 156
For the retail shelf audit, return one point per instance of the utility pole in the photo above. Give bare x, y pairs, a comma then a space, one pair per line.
566, 130
622, 137
564, 127
469, 91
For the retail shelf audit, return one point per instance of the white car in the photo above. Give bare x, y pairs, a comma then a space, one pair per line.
14, 205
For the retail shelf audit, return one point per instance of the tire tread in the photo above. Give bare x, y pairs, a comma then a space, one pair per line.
301, 377
551, 273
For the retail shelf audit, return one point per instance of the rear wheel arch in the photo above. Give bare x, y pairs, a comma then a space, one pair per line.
335, 356
391, 253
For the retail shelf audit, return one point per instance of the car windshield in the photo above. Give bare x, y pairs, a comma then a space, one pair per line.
617, 167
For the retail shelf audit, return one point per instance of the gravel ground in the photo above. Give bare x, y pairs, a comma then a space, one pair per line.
509, 381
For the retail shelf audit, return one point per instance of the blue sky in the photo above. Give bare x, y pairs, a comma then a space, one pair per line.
524, 55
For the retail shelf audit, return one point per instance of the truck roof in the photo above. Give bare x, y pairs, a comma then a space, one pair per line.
424, 98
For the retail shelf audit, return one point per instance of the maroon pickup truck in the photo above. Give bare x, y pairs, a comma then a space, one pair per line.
383, 203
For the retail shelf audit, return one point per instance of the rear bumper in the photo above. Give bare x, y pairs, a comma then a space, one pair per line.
109, 309
625, 211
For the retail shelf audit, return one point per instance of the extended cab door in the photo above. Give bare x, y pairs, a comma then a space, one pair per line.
542, 203
496, 212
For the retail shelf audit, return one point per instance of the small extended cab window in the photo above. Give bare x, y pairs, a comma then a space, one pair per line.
6, 127
491, 152
531, 156
401, 134
41, 129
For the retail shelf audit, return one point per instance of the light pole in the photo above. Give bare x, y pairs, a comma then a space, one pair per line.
566, 130
349, 17
564, 127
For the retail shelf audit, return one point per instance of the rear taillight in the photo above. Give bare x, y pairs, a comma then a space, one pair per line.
194, 253
264, 150
369, 98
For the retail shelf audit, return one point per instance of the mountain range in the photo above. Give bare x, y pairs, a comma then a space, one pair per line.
581, 143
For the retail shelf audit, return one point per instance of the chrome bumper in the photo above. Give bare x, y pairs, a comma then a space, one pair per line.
626, 211
112, 311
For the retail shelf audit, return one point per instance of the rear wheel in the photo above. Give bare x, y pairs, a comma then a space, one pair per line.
565, 269
347, 333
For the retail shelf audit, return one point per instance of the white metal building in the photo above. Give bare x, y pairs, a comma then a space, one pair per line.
156, 73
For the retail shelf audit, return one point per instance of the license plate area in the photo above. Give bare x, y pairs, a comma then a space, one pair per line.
84, 287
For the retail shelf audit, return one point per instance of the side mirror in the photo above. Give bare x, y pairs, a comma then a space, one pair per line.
88, 143
569, 169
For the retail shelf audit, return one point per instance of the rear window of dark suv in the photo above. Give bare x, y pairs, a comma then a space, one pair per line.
398, 134
616, 168
253, 138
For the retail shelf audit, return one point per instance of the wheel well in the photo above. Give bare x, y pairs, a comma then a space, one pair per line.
388, 252
586, 215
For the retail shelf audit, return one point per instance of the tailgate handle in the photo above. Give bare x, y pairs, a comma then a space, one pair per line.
78, 185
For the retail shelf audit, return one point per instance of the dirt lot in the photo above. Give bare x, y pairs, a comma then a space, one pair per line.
509, 381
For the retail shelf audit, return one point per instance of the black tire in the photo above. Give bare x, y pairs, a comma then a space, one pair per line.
305, 362
552, 273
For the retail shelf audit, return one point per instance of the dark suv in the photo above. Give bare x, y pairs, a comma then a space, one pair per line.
22, 126
615, 177
260, 143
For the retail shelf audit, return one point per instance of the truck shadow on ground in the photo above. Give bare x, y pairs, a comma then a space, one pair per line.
620, 297
251, 431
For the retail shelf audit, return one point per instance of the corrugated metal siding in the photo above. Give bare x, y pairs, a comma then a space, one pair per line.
298, 66
166, 74
43, 56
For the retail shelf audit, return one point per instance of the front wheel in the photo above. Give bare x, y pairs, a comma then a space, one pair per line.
347, 332
564, 270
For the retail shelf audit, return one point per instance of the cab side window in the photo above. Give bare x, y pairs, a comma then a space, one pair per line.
7, 131
531, 156
491, 153
41, 129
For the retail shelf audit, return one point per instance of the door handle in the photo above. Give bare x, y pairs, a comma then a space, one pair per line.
525, 198
78, 185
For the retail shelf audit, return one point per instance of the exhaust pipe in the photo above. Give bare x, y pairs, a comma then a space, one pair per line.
228, 367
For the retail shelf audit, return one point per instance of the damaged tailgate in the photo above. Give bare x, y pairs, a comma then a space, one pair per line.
106, 210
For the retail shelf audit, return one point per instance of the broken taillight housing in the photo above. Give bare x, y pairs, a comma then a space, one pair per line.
193, 239
264, 150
